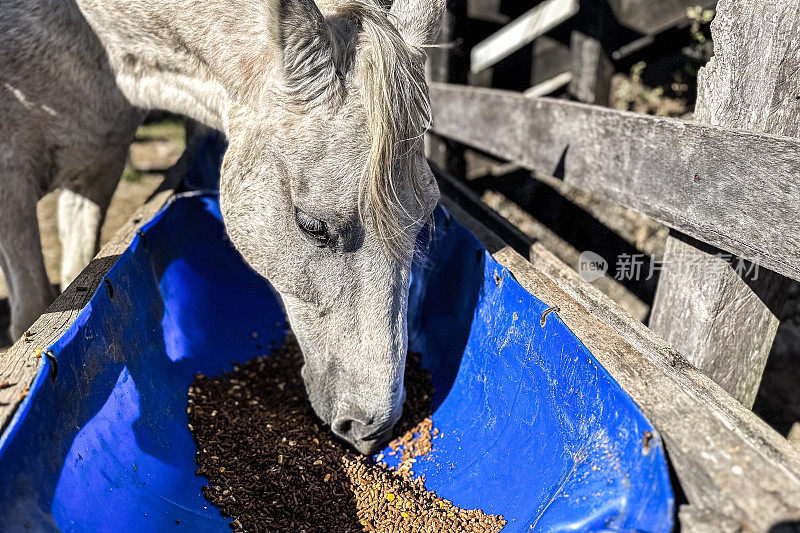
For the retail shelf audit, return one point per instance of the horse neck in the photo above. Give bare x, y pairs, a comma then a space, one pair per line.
194, 58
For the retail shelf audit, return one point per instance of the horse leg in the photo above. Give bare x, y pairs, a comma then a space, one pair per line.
81, 211
79, 222
29, 289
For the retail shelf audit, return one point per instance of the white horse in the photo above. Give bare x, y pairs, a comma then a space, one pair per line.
324, 185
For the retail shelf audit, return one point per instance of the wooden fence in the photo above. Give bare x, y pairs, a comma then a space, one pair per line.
727, 184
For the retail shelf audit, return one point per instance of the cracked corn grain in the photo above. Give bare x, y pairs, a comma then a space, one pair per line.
271, 467
388, 500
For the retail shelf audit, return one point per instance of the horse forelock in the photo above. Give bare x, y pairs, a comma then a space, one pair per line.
389, 74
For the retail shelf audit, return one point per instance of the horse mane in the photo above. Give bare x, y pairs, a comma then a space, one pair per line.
395, 98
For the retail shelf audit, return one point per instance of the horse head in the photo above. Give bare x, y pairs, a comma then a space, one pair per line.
325, 189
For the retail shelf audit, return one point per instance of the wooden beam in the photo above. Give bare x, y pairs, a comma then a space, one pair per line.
446, 64
733, 189
595, 36
19, 365
591, 69
549, 86
550, 58
486, 10
651, 18
538, 21
719, 312
730, 464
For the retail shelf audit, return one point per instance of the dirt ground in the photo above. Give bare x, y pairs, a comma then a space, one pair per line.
156, 148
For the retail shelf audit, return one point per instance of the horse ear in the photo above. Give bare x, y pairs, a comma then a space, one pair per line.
306, 47
418, 21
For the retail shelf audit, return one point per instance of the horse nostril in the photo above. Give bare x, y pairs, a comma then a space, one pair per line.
342, 426
366, 432
356, 430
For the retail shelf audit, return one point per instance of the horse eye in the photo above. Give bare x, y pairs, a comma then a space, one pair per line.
312, 227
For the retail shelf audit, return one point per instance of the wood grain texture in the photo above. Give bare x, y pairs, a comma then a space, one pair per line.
649, 17
731, 465
595, 36
521, 31
733, 189
591, 70
551, 58
723, 320
486, 10
445, 64
753, 80
549, 86
19, 365
711, 310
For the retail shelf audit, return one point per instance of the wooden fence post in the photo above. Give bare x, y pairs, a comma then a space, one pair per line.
446, 63
591, 43
591, 70
718, 316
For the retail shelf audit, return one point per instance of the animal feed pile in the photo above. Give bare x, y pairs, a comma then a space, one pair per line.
271, 467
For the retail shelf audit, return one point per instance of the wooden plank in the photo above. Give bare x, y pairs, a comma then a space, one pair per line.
446, 64
651, 18
595, 36
550, 59
538, 21
758, 85
733, 189
486, 10
724, 318
18, 365
711, 310
730, 464
591, 69
549, 86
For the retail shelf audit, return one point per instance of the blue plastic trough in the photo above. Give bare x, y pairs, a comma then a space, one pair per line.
533, 427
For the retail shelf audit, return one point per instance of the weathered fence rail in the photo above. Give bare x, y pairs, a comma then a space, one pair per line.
736, 190
649, 17
522, 31
728, 319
